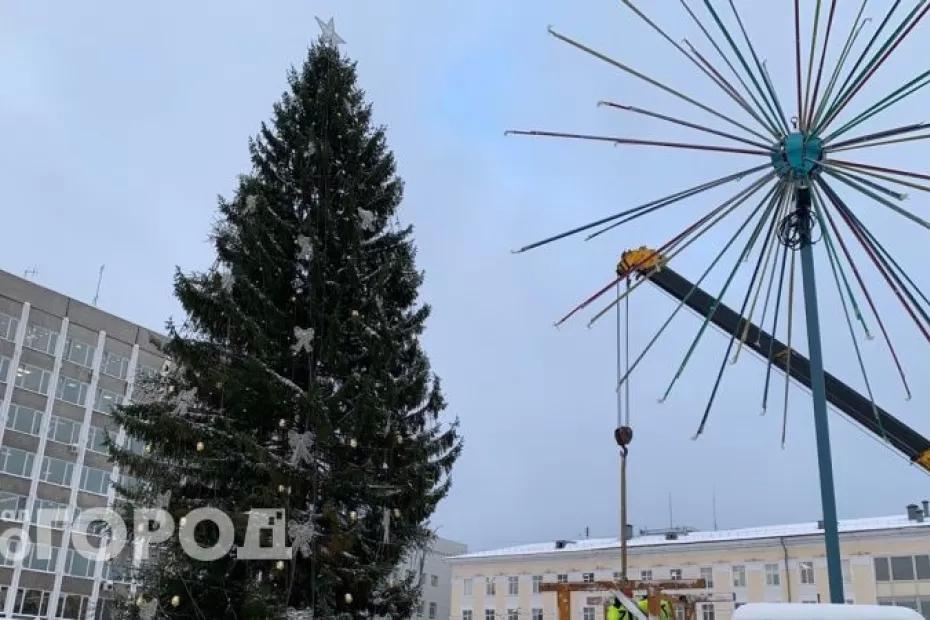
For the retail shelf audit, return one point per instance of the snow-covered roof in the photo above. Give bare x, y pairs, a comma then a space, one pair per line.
771, 531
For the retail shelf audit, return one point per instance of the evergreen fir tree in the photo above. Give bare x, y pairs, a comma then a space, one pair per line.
297, 379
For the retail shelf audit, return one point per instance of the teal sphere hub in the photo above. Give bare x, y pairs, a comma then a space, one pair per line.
798, 155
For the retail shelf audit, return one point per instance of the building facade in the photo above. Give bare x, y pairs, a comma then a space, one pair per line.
885, 561
435, 577
64, 365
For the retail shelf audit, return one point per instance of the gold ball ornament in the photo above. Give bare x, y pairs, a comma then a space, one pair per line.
280, 488
279, 565
353, 442
348, 598
397, 513
282, 422
175, 601
353, 515
200, 446
355, 314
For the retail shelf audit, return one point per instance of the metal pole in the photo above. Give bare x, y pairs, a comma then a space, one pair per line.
821, 425
623, 562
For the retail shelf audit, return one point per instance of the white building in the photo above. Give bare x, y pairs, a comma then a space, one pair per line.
435, 576
885, 560
64, 366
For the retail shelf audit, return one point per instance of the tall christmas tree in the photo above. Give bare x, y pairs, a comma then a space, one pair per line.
298, 380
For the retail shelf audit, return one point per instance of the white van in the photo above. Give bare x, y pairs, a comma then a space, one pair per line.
811, 611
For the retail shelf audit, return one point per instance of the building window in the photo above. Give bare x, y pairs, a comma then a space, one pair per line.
807, 572
12, 506
106, 401
882, 572
31, 603
562, 578
56, 471
16, 462
923, 566
8, 327
902, 568
537, 613
847, 571
420, 609
33, 378
72, 391
466, 587
41, 339
488, 614
588, 613
51, 514
772, 575
80, 353
707, 612
489, 588
64, 430
537, 583
432, 611
95, 480
97, 442
77, 565
675, 574
645, 575
73, 606
707, 574
513, 586
512, 614
434, 581
4, 368
114, 365
587, 577
24, 420
41, 557
466, 614
739, 576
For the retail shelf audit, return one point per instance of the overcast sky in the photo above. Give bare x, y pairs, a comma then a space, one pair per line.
122, 122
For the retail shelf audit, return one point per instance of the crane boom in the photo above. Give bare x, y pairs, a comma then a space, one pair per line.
845, 399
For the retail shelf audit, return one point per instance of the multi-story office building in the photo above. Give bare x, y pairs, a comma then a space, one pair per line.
434, 572
885, 560
63, 366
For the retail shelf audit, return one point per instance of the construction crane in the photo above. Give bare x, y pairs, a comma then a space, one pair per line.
644, 262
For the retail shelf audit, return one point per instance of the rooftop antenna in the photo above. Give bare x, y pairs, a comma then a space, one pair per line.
99, 281
714, 505
671, 521
30, 273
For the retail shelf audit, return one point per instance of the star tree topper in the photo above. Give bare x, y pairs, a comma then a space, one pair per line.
329, 35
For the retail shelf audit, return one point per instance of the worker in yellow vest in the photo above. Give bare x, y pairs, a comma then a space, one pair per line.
616, 611
665, 610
